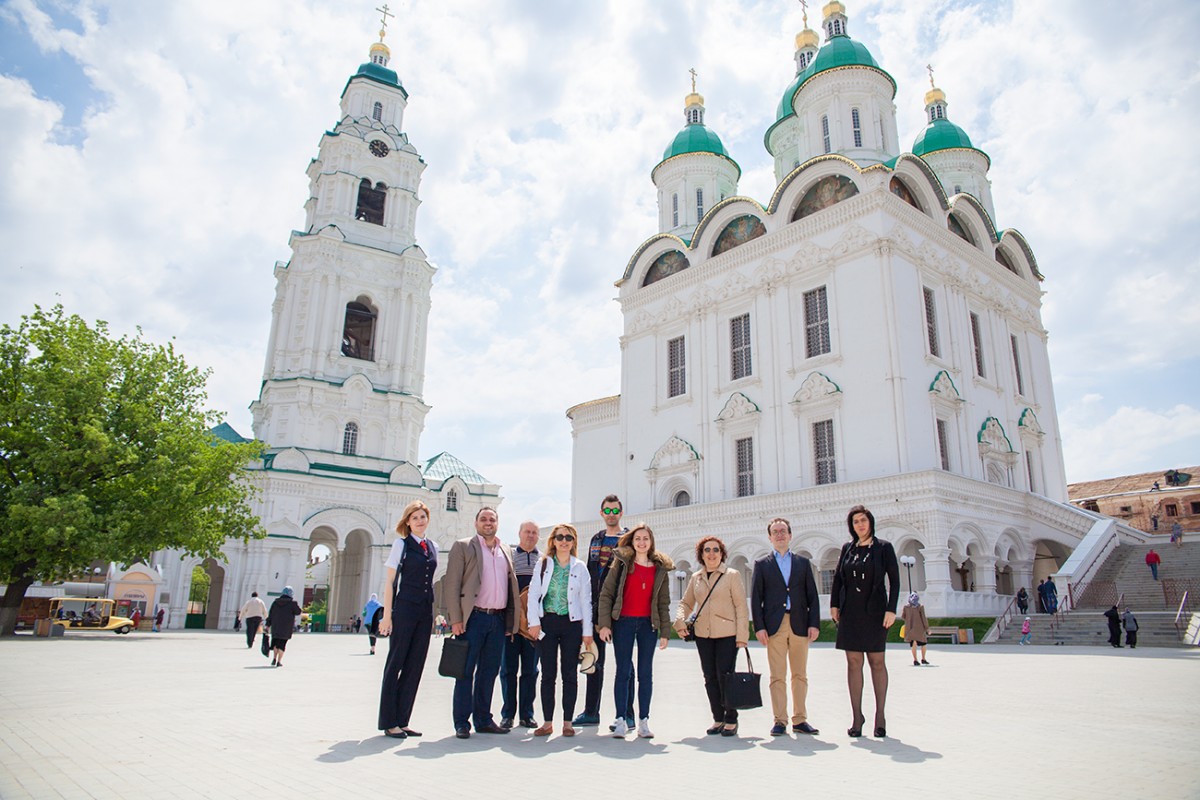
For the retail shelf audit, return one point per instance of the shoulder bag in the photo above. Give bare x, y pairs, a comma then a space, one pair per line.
743, 689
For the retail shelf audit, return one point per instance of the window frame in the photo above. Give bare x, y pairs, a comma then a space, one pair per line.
1016, 362
743, 467
977, 345
741, 358
824, 465
677, 372
825, 133
932, 342
350, 439
820, 325
856, 126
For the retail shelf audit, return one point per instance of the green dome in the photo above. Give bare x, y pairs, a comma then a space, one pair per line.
840, 51
941, 134
378, 73
695, 138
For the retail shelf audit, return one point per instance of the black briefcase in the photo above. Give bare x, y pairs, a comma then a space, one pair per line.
453, 663
744, 689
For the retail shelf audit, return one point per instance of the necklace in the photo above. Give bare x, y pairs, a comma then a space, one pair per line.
858, 563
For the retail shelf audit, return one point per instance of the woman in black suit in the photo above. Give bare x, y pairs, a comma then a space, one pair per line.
864, 610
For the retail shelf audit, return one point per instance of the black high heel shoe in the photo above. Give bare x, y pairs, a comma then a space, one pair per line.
856, 729
881, 732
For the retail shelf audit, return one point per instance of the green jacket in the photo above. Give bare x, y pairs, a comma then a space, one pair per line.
612, 594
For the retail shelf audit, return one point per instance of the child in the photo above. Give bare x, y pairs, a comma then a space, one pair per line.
1026, 632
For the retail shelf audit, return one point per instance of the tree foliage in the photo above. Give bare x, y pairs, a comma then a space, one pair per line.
106, 454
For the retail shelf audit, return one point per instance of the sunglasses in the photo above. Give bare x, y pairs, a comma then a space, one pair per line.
564, 537
711, 550
610, 511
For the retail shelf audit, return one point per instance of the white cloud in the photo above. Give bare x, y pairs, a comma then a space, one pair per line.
1100, 443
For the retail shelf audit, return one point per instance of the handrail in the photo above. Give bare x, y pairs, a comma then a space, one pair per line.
1182, 604
1005, 616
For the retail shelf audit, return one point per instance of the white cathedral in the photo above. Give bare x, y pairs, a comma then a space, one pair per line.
341, 406
869, 335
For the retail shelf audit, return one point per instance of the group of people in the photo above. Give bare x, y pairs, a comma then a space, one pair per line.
1118, 621
617, 593
1047, 597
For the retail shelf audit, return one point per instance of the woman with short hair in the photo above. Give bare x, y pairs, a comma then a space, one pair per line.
560, 618
714, 607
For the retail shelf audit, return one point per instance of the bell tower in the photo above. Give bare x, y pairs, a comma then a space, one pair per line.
345, 365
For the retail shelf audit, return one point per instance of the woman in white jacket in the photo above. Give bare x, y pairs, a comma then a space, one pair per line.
560, 616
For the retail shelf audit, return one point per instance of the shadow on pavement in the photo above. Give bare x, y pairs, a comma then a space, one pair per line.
349, 750
896, 750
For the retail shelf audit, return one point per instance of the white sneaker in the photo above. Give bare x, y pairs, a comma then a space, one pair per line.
644, 730
620, 730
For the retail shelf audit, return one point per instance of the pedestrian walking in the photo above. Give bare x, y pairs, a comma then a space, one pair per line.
373, 614
252, 613
916, 627
1153, 559
1130, 623
281, 620
1114, 626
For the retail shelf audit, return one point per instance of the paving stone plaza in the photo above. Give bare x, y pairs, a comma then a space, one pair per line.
196, 714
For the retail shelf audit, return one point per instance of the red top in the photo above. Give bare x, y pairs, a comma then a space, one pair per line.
1153, 558
638, 587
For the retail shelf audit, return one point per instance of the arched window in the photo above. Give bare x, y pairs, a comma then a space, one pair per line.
825, 133
699, 204
358, 331
377, 112
1003, 259
856, 124
452, 500
675, 210
370, 202
824, 193
350, 439
681, 498
898, 188
959, 230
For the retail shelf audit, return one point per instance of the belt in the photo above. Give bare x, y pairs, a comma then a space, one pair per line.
490, 610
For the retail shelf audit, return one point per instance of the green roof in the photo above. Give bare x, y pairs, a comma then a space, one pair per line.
226, 432
444, 465
379, 74
941, 134
695, 138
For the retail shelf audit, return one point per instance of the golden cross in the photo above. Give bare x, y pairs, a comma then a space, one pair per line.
929, 67
804, 6
693, 71
383, 20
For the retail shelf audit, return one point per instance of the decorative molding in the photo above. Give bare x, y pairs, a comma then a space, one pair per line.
817, 389
737, 408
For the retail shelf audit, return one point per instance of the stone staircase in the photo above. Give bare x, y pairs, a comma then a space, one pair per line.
1154, 603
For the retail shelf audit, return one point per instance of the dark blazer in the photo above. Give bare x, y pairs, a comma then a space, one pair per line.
883, 565
768, 593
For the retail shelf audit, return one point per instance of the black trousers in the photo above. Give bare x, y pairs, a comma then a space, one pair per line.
595, 685
560, 637
407, 647
517, 693
252, 624
1131, 638
717, 658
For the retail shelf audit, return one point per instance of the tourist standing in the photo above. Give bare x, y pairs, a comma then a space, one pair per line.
406, 618
1114, 626
864, 608
786, 611
714, 606
520, 654
251, 614
1153, 559
1023, 601
635, 610
916, 627
281, 621
1051, 595
1130, 623
482, 591
373, 614
560, 616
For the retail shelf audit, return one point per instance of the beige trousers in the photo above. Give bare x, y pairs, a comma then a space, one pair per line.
782, 648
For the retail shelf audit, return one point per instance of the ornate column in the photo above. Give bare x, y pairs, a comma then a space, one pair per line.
937, 579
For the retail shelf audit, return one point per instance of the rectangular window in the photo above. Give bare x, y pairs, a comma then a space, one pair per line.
825, 133
1033, 487
1195, 508
935, 348
977, 344
1016, 354
1171, 510
699, 205
745, 467
856, 123
823, 452
943, 443
676, 368
674, 211
816, 323
739, 347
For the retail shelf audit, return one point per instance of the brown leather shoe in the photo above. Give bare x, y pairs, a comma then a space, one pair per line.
546, 729
568, 730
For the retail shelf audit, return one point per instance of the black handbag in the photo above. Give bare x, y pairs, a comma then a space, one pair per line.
690, 636
743, 690
266, 642
453, 663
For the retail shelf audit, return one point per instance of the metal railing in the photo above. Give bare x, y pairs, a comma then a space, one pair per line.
1179, 613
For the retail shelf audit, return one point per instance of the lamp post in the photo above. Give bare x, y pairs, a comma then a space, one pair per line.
681, 576
908, 562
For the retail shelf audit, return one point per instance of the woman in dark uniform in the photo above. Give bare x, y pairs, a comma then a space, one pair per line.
864, 609
407, 619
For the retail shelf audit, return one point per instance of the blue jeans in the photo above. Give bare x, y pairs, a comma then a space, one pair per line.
473, 694
626, 632
519, 654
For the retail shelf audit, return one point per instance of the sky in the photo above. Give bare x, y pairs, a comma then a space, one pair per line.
153, 159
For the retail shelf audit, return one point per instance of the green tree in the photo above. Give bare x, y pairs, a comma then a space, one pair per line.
106, 454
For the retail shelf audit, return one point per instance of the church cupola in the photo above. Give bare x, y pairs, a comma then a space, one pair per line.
806, 45
835, 20
695, 173
946, 148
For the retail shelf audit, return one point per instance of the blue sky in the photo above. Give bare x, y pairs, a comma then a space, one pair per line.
154, 154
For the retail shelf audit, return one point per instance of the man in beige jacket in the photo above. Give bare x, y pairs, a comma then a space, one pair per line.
480, 592
251, 616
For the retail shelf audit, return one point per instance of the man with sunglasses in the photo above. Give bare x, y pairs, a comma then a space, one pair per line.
599, 558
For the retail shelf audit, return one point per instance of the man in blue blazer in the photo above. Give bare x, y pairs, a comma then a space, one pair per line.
786, 612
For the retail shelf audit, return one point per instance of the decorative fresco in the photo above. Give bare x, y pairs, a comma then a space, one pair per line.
665, 266
958, 230
827, 192
739, 231
900, 190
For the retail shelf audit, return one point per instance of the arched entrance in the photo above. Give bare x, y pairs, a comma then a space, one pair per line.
1048, 557
348, 581
205, 592
318, 576
912, 577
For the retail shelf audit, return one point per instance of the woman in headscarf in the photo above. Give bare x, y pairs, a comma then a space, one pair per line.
916, 627
373, 614
281, 619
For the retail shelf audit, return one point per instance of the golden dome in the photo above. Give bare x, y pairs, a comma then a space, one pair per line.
935, 95
806, 38
834, 8
693, 99
380, 47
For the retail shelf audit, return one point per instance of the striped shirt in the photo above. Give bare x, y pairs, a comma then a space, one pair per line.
523, 564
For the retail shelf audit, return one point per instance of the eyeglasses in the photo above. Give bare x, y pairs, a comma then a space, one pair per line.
564, 537
610, 511
711, 550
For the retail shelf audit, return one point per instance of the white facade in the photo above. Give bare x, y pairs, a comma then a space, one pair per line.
840, 344
341, 407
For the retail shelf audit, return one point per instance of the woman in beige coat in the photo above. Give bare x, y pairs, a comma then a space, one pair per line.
916, 627
715, 603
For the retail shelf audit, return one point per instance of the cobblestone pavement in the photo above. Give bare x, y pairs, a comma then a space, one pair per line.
196, 714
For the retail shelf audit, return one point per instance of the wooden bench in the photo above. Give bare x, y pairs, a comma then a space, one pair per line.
944, 630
